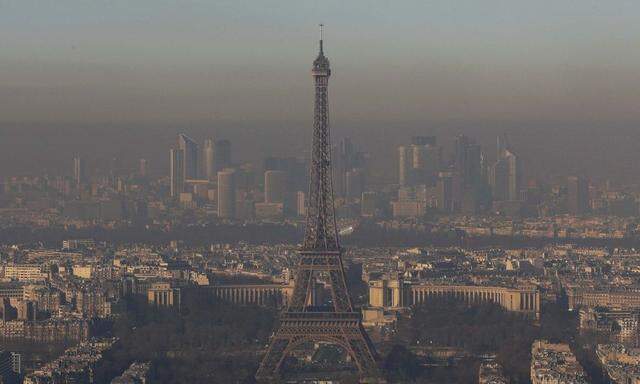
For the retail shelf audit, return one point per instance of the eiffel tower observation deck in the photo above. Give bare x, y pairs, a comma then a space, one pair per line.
304, 321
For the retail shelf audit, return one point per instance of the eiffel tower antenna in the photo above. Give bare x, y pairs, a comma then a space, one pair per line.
303, 321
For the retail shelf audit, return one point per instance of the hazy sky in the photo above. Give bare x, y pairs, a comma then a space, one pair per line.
175, 61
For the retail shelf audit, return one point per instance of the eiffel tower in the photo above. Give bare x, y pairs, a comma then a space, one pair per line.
302, 321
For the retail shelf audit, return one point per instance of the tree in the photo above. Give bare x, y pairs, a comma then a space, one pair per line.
401, 365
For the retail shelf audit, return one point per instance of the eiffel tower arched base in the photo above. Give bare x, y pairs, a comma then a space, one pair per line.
342, 329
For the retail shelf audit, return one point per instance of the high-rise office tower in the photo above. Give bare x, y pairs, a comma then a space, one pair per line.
420, 162
355, 183
473, 167
245, 176
578, 195
176, 171
275, 186
189, 149
78, 172
295, 168
346, 159
502, 143
484, 168
227, 194
460, 144
445, 192
426, 162
506, 174
404, 166
499, 180
142, 168
221, 155
423, 140
468, 160
343, 161
217, 156
515, 174
209, 162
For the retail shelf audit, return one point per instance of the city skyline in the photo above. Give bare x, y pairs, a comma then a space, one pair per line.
471, 213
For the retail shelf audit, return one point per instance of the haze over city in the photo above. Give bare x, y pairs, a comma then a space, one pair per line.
181, 61
147, 70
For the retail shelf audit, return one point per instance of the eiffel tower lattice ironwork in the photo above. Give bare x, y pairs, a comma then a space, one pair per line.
303, 322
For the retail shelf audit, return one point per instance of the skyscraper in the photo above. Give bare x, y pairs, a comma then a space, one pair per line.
275, 186
515, 175
227, 194
420, 162
78, 172
404, 166
460, 144
142, 168
354, 183
189, 149
423, 140
445, 192
209, 162
499, 180
473, 167
426, 162
217, 156
506, 174
468, 160
176, 171
221, 155
343, 161
502, 143
346, 159
295, 169
578, 195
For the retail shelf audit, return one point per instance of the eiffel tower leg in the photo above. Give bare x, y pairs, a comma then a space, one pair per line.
363, 354
301, 290
270, 366
339, 293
